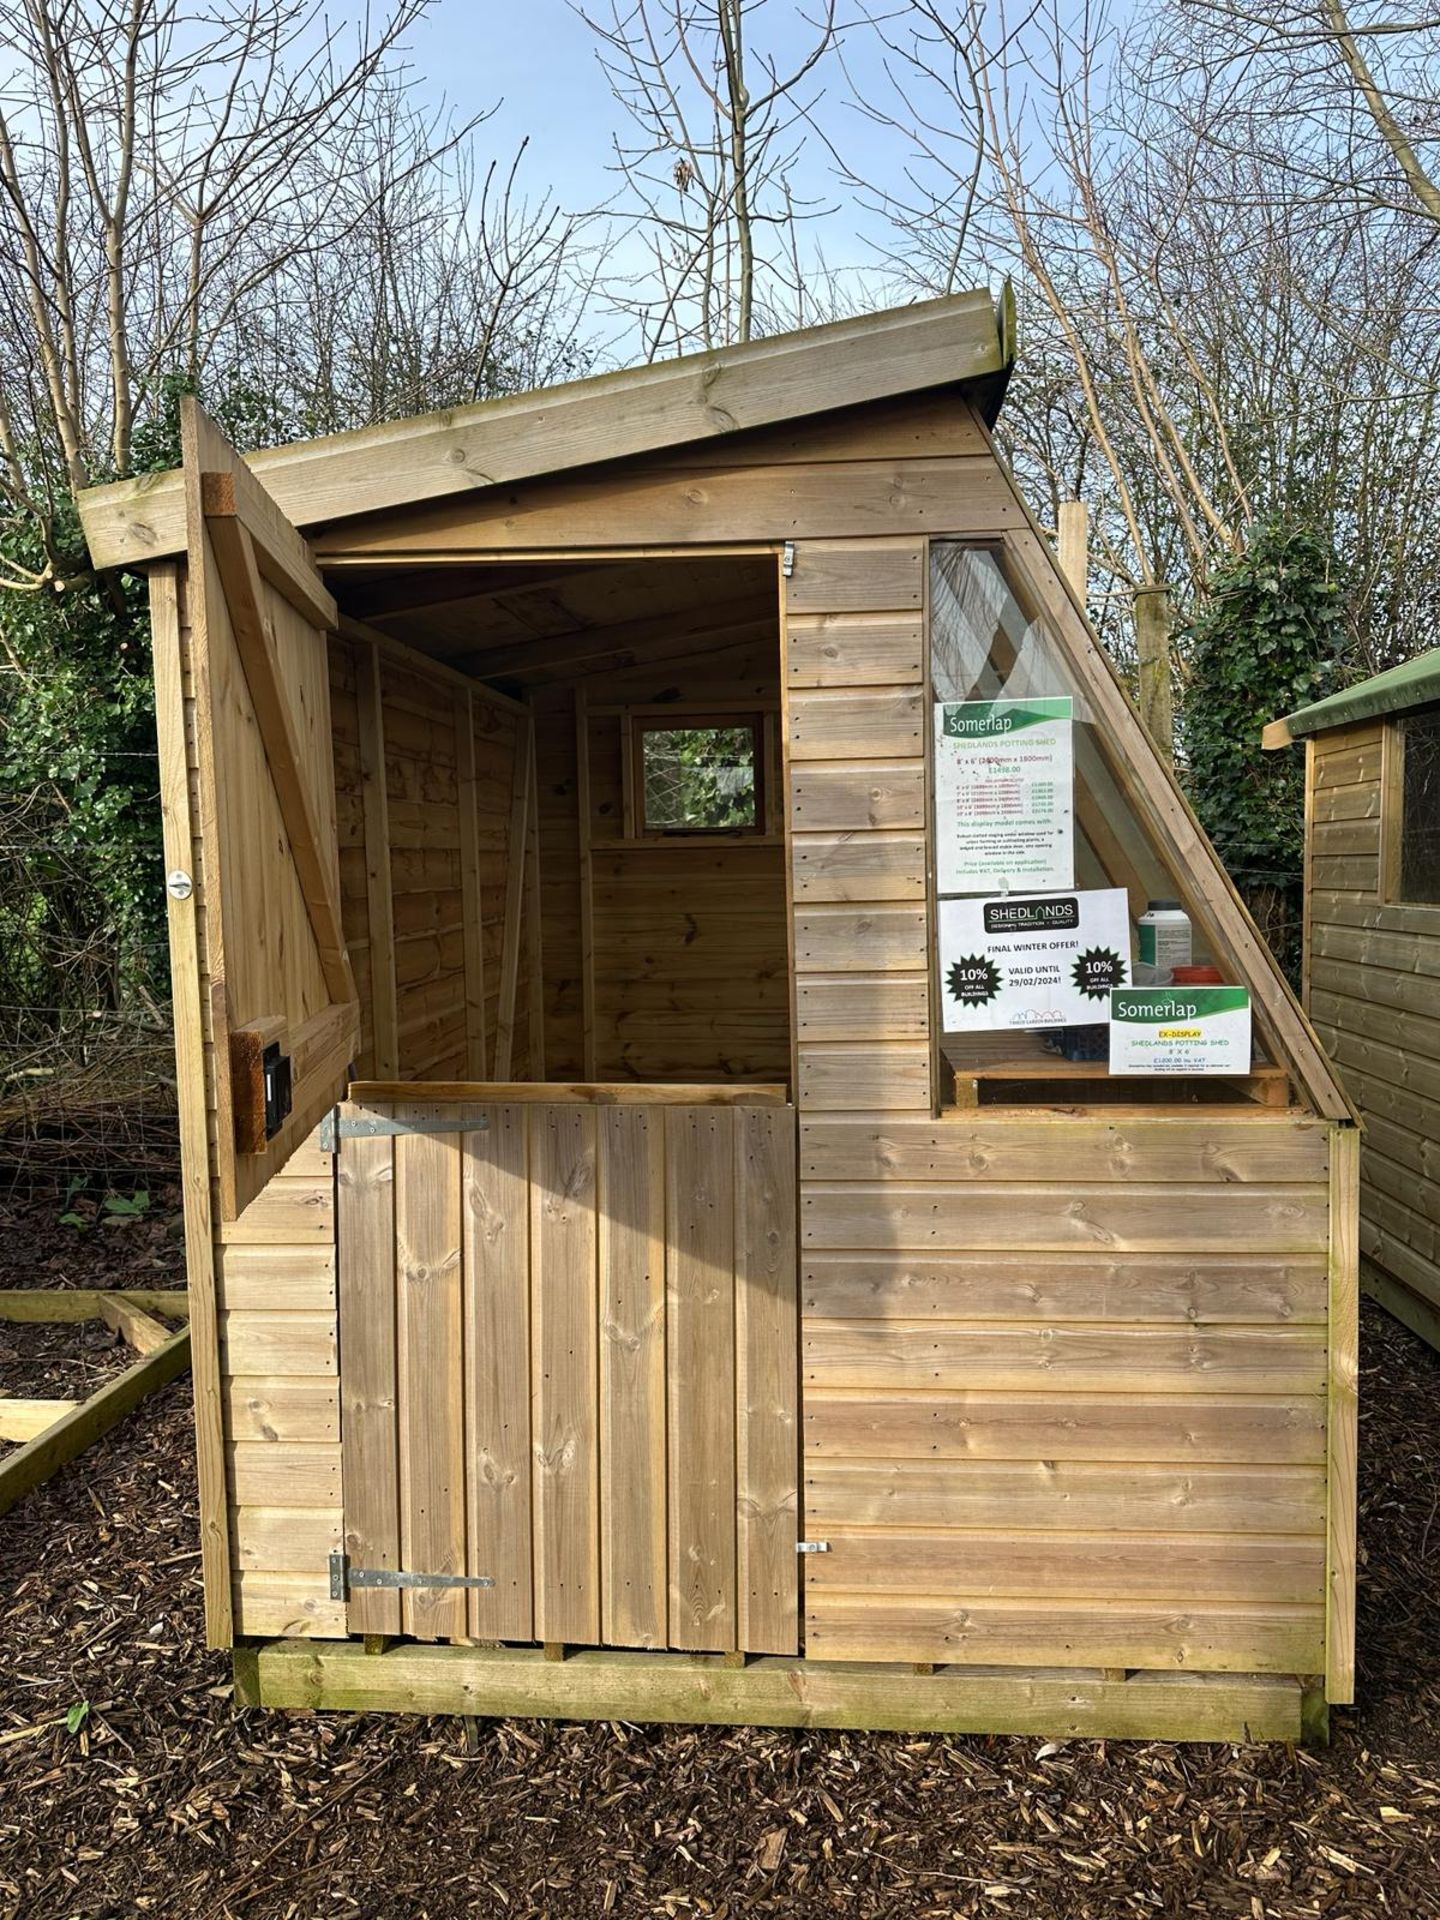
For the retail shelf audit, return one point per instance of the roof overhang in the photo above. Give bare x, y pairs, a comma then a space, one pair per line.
966, 340
1414, 683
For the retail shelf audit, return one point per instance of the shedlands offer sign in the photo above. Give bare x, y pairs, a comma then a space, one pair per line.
1036, 960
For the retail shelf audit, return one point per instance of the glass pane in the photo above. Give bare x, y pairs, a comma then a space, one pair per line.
1051, 890
1420, 813
699, 779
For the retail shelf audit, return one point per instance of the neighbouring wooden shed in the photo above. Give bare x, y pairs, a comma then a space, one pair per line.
1372, 956
634, 1271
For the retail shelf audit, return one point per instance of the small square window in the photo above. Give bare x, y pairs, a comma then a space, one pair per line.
702, 777
1417, 862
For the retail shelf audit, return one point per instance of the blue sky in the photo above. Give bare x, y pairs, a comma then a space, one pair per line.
537, 59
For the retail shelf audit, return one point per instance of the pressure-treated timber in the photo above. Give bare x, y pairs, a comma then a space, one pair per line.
959, 1625
1145, 1146
604, 1094
379, 893
565, 1372
709, 507
1186, 1288
626, 1277
1122, 1398
236, 558
365, 1207
22, 1420
264, 799
1371, 966
189, 990
766, 1437
495, 1226
137, 1327
430, 1314
633, 1440
935, 343
523, 775
532, 910
700, 1234
472, 901
82, 1425
1343, 1385
61, 1305
770, 1691
583, 817
1141, 1421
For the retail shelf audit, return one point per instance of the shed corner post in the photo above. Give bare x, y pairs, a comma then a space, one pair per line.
1342, 1381
187, 986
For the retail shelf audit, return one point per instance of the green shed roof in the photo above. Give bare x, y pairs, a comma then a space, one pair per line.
1416, 683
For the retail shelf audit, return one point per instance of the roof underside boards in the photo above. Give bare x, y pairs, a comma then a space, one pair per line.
534, 623
963, 339
1415, 683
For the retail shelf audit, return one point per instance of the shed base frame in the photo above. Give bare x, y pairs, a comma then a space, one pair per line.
702, 1690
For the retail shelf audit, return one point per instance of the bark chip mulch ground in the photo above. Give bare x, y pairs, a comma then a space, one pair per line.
130, 1784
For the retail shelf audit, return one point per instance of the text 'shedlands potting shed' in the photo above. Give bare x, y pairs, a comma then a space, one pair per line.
674, 1227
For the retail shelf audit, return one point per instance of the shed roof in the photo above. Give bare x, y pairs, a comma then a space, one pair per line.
1415, 683
965, 340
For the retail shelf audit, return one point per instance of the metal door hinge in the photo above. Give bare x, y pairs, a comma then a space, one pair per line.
344, 1577
787, 559
336, 1127
812, 1546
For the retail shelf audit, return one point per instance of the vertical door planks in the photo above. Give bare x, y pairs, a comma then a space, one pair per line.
700, 1265
365, 1260
496, 1239
568, 1363
565, 1385
766, 1430
632, 1376
432, 1396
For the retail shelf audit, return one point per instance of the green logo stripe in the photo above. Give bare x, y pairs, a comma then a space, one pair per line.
979, 719
1159, 1006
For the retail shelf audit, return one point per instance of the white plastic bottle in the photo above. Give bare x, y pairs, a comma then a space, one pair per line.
1164, 942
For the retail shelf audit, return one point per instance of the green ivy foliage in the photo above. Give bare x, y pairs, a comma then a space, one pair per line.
82, 901
79, 819
1269, 639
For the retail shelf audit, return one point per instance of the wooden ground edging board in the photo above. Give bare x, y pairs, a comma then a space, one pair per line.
79, 1426
777, 1692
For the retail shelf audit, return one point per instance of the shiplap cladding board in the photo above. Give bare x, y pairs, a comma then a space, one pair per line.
280, 1386
1373, 971
1065, 1401
1063, 1385
855, 716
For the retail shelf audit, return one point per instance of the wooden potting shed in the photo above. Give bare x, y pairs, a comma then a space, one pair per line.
625, 1280
1372, 956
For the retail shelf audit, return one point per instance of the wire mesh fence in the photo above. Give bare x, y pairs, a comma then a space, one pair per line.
87, 1066
87, 1099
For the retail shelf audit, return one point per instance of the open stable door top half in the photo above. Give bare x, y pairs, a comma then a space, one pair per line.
284, 1022
676, 1227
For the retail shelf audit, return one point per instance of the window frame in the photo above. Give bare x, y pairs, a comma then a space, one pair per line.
642, 721
1392, 810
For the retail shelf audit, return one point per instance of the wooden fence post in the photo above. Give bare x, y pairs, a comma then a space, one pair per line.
1152, 642
1074, 545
